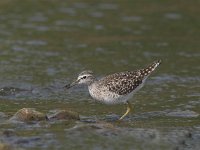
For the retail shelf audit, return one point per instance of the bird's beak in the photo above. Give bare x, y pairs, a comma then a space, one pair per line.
72, 84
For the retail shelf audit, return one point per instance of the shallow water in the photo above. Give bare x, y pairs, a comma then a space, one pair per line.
45, 45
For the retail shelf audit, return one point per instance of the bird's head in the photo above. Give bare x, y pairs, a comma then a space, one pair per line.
85, 77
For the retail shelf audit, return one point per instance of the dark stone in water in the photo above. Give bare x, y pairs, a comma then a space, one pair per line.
65, 114
6, 91
8, 133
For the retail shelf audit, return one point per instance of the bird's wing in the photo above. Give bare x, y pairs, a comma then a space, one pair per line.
123, 83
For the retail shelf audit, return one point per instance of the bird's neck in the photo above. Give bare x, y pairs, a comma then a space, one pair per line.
92, 82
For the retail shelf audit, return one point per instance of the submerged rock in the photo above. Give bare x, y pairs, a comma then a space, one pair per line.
28, 115
64, 115
184, 114
99, 127
4, 146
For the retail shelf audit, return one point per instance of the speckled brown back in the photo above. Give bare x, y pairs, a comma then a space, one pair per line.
123, 83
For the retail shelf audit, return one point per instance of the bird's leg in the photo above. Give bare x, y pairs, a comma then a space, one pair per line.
129, 108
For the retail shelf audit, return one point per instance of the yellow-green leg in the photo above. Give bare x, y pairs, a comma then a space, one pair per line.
129, 108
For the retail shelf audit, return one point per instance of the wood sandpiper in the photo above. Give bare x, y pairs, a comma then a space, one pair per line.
115, 88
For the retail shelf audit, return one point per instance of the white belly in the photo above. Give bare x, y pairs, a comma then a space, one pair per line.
105, 96
102, 94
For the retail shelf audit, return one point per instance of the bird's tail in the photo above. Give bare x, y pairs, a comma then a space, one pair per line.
149, 69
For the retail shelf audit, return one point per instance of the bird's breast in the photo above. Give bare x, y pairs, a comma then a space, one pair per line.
103, 95
96, 92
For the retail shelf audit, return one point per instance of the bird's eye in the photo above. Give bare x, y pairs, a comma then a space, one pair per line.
84, 77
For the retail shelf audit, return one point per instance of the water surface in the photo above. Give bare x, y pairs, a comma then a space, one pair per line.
45, 45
